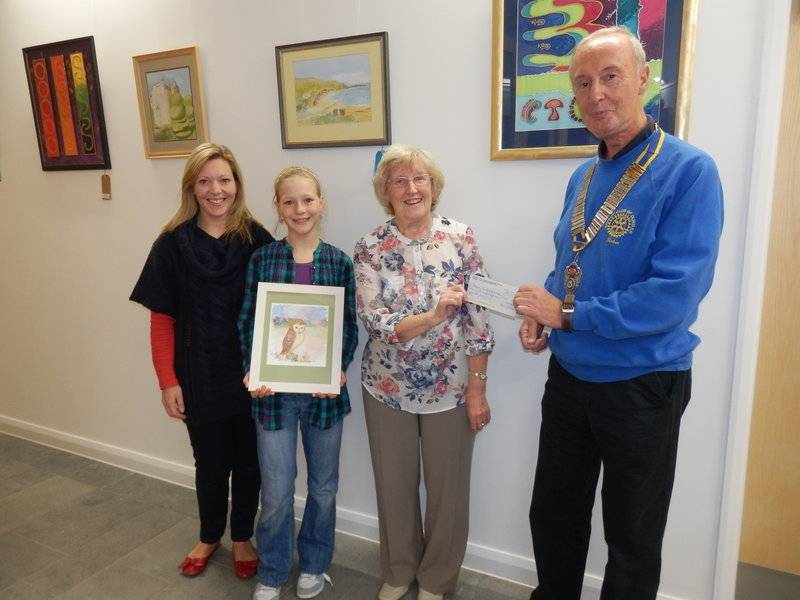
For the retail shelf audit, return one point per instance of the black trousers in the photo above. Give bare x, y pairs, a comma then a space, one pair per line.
631, 428
226, 449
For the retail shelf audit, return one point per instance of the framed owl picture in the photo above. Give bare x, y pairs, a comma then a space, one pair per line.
297, 338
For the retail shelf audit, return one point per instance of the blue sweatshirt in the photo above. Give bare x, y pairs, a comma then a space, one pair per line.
647, 269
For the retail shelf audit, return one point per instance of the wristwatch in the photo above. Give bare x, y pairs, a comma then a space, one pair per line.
567, 308
479, 374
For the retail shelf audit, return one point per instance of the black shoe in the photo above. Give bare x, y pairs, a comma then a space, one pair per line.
534, 594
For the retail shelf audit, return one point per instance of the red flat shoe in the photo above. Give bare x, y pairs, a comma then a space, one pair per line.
194, 566
245, 569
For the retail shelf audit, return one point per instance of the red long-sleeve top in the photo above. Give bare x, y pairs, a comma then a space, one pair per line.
162, 347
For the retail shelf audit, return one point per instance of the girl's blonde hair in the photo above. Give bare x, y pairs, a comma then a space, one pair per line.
293, 171
239, 217
401, 155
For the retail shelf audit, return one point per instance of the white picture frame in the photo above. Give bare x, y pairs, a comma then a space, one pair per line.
297, 338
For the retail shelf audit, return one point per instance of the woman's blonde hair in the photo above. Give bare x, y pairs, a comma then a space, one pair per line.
239, 216
293, 171
401, 155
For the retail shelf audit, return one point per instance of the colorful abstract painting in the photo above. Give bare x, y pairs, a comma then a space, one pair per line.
535, 104
547, 33
67, 105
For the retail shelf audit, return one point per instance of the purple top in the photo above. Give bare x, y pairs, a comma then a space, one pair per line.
302, 273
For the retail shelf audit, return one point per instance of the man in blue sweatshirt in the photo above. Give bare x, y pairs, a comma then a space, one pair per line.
635, 251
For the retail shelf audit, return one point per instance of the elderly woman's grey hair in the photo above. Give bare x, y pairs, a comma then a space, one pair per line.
401, 155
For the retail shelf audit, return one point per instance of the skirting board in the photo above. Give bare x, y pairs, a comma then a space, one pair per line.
144, 464
483, 559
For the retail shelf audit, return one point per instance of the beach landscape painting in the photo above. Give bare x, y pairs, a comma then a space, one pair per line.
334, 92
171, 107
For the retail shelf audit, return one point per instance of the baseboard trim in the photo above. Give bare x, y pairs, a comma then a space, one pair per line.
497, 563
138, 462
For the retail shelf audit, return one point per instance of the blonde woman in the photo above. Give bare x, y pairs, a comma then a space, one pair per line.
193, 284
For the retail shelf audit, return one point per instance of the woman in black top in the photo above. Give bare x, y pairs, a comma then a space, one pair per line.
193, 283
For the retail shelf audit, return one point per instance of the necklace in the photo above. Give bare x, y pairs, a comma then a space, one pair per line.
582, 236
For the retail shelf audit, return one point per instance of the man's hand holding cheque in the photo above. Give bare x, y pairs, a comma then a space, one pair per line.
539, 309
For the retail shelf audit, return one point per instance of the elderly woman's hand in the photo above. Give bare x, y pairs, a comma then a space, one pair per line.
478, 412
450, 300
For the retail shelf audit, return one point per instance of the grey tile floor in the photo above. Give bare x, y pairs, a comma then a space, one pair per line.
77, 529
758, 583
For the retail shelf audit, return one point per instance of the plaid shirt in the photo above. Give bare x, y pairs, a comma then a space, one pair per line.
331, 266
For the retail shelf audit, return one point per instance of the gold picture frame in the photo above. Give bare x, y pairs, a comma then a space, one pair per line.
171, 105
334, 92
533, 113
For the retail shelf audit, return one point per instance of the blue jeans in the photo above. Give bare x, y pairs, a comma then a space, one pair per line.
277, 452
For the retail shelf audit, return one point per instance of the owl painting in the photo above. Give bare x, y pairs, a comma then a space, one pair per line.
295, 335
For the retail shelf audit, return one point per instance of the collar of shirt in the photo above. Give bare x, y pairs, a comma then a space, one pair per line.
648, 129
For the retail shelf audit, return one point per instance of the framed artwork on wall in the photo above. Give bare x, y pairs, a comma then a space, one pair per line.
67, 105
171, 106
534, 114
334, 92
297, 338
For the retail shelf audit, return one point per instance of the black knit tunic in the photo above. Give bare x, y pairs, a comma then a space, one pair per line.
199, 280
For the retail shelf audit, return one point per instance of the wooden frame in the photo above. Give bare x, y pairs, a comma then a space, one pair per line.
311, 360
533, 109
171, 106
67, 105
319, 110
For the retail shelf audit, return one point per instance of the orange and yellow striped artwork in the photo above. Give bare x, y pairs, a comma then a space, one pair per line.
67, 107
59, 73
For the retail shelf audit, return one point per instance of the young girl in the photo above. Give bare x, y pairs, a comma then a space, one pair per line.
301, 257
192, 284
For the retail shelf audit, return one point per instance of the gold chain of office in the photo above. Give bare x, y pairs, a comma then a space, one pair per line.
582, 236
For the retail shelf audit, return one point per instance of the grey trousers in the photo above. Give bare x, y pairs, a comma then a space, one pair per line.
432, 555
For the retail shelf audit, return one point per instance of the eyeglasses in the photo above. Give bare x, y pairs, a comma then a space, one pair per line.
417, 180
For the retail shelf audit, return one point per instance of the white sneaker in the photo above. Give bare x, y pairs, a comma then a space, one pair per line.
309, 586
264, 592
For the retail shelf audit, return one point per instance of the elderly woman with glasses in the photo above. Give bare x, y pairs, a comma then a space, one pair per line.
423, 373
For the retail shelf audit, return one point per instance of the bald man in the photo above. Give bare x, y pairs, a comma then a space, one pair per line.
635, 252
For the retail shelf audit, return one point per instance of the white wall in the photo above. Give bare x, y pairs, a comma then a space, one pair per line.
75, 367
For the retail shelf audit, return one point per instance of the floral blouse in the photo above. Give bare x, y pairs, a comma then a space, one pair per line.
397, 277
